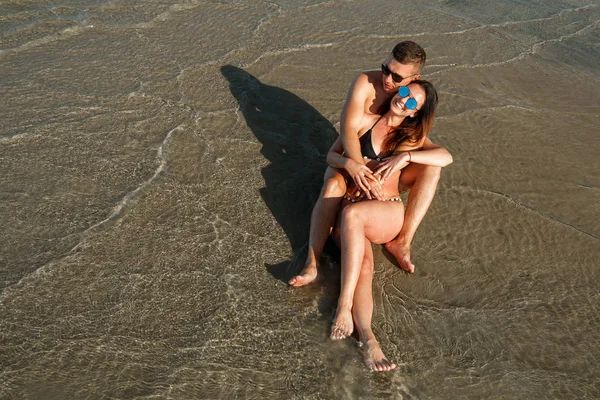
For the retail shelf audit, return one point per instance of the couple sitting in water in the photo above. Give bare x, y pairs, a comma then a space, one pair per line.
383, 148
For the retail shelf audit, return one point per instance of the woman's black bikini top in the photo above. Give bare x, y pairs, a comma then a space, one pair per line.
366, 145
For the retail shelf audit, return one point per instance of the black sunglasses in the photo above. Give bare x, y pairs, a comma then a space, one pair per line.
386, 71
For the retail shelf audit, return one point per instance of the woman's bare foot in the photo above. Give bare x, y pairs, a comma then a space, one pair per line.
374, 357
308, 274
401, 253
343, 325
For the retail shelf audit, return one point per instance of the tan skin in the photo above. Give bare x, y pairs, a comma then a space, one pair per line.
371, 221
367, 94
371, 90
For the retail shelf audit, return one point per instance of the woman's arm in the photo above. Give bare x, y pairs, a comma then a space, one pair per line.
431, 154
428, 154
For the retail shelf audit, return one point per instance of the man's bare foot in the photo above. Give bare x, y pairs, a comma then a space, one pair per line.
401, 253
374, 357
343, 325
308, 274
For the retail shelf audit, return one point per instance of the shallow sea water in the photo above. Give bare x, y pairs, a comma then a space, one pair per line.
160, 160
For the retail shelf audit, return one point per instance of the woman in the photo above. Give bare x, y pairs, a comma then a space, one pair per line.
391, 141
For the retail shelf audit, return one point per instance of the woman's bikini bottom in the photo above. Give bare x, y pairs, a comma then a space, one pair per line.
359, 199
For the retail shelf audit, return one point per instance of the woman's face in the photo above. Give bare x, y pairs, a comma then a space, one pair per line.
398, 103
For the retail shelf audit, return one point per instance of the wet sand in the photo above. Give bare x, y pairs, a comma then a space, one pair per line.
160, 162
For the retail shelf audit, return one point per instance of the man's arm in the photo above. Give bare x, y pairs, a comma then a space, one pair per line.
352, 117
336, 159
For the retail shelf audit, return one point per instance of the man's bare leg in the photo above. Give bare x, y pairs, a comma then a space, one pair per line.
423, 180
362, 313
322, 220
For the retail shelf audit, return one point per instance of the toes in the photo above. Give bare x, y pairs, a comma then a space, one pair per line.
387, 365
337, 333
301, 280
407, 266
342, 325
334, 334
295, 281
382, 365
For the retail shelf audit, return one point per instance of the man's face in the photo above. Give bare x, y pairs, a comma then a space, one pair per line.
408, 73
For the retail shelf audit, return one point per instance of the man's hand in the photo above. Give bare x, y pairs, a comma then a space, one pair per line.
363, 177
391, 165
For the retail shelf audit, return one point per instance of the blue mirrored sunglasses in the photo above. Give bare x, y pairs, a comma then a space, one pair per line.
411, 104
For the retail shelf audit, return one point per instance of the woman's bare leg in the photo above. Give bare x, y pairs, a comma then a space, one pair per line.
362, 312
377, 221
321, 222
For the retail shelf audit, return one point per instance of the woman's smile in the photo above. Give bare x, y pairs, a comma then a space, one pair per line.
398, 103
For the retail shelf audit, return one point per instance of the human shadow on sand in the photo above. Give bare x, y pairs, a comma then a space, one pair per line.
295, 139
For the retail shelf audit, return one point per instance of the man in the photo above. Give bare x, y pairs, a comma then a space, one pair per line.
368, 94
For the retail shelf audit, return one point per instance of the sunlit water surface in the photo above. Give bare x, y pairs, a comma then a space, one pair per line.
160, 161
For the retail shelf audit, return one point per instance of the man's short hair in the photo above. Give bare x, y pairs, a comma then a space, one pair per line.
409, 52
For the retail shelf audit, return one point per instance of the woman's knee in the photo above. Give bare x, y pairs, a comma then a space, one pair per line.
351, 215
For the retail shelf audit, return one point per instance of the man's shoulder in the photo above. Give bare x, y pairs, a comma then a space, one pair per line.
365, 83
368, 78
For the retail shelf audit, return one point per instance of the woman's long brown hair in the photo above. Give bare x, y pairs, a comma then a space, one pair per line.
412, 130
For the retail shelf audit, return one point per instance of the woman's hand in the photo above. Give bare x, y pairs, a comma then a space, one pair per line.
376, 188
392, 164
364, 179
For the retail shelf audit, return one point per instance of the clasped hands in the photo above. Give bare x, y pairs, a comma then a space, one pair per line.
369, 182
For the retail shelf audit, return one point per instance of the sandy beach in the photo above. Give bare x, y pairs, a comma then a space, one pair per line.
160, 161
